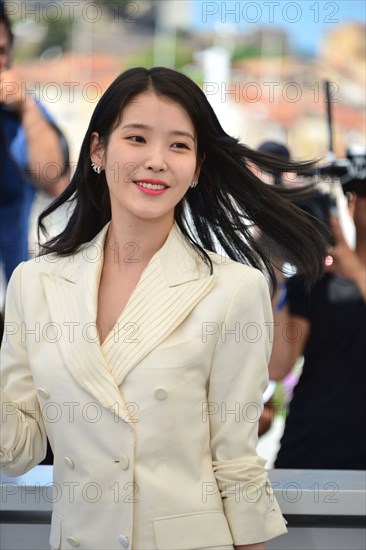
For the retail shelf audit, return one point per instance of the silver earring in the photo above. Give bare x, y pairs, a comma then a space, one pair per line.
194, 184
97, 169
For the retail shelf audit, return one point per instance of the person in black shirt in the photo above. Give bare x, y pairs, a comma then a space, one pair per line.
327, 326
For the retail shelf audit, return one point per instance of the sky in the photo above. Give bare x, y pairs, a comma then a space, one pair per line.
306, 21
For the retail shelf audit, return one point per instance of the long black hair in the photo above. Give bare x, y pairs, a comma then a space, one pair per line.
228, 201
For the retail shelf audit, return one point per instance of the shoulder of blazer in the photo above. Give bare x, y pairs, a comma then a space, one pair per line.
52, 264
180, 261
55, 265
224, 266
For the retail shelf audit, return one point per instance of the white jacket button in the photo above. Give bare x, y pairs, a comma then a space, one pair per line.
124, 462
42, 392
69, 462
160, 394
123, 540
73, 541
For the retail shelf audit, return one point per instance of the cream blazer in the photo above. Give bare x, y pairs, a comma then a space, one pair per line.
154, 432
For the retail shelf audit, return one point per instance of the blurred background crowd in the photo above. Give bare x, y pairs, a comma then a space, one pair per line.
261, 65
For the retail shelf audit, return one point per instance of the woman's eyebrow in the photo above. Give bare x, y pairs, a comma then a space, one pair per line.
181, 133
139, 126
136, 125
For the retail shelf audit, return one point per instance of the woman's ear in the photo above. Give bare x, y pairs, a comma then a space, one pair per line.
200, 161
96, 150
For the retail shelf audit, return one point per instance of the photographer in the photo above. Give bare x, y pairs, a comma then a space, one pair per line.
33, 155
327, 326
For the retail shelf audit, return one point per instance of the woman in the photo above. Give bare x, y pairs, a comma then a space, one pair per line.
152, 351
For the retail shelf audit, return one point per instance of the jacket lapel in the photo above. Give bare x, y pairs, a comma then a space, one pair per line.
171, 285
72, 296
174, 281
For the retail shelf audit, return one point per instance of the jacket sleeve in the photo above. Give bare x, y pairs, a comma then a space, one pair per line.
238, 379
23, 440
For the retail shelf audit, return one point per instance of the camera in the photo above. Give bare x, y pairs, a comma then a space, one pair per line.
319, 205
349, 172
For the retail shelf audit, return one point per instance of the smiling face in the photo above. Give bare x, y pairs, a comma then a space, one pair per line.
150, 158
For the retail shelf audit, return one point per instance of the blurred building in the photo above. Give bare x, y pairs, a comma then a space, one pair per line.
282, 96
344, 48
269, 94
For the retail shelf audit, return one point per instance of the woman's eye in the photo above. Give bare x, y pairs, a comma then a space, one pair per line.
180, 145
137, 139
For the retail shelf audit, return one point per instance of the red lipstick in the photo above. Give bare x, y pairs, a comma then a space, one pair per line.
151, 186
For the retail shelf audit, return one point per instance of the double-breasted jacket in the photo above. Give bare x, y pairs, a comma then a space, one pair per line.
154, 432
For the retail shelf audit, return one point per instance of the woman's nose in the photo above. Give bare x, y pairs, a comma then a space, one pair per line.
155, 160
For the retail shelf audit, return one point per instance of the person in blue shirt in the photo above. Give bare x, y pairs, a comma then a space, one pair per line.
33, 155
